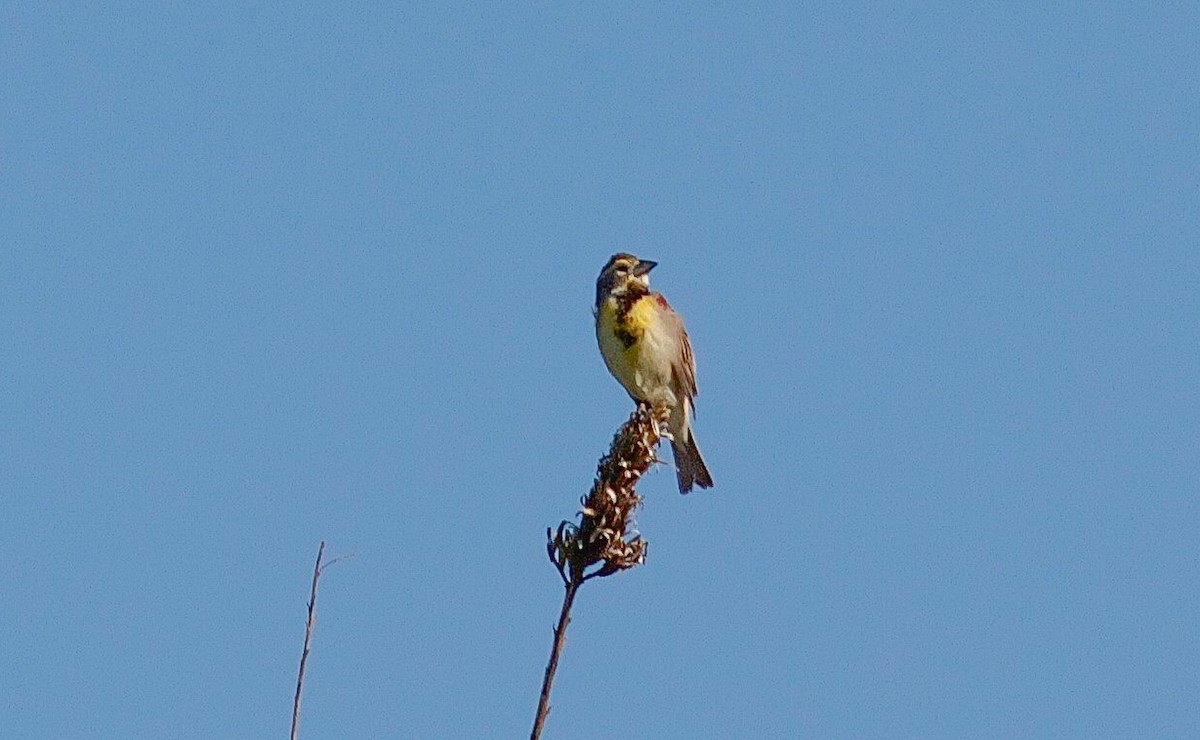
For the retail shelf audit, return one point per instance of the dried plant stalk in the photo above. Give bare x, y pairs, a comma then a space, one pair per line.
308, 630
603, 536
318, 570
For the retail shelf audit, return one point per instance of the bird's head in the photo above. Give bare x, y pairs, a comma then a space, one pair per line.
623, 275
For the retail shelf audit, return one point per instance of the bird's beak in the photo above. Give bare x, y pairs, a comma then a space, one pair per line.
643, 267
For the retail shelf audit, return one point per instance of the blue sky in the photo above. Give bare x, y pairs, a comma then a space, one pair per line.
277, 275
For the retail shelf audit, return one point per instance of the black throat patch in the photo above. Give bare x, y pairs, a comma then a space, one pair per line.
633, 294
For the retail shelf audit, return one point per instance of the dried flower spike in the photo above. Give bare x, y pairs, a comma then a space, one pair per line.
602, 535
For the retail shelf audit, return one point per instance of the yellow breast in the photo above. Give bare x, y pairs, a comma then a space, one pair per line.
641, 316
624, 362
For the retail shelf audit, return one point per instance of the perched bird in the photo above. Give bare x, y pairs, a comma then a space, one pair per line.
647, 350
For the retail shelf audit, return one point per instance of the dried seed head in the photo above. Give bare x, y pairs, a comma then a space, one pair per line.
604, 530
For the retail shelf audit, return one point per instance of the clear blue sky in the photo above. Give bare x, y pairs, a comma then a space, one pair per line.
271, 276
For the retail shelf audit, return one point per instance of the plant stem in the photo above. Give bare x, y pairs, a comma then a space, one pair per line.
308, 630
560, 639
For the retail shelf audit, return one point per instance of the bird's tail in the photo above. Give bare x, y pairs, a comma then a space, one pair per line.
689, 465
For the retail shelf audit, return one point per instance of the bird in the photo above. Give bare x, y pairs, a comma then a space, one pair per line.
646, 348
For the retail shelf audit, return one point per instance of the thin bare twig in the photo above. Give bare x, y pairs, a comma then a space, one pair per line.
318, 569
308, 630
560, 639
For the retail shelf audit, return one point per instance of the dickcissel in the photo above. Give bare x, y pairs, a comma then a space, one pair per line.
647, 350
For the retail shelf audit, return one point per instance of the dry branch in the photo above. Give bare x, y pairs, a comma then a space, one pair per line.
603, 537
318, 569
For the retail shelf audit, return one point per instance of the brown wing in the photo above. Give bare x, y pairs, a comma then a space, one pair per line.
687, 365
684, 366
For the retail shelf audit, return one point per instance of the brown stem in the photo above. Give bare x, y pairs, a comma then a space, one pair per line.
560, 639
308, 630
